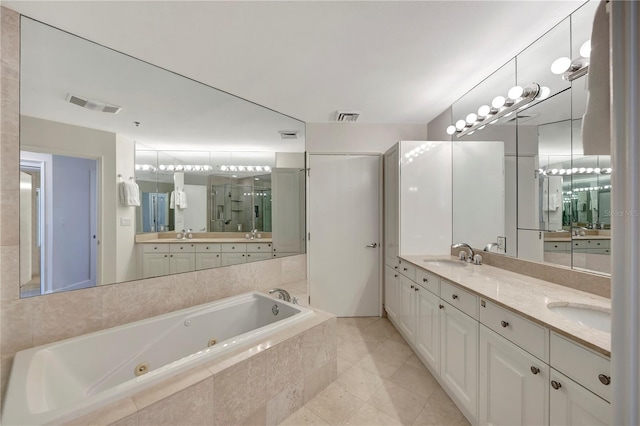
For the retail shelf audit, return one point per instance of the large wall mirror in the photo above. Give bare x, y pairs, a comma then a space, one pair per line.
129, 171
556, 195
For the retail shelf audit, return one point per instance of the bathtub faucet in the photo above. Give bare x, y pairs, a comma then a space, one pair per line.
282, 294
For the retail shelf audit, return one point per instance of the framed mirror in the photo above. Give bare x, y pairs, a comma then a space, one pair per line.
107, 139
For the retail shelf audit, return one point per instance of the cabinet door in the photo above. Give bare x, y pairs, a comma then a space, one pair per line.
232, 258
155, 264
391, 292
207, 260
572, 404
254, 257
391, 206
428, 327
407, 307
182, 262
514, 386
459, 357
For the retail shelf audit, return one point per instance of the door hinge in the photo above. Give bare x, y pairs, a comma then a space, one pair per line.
309, 300
309, 172
309, 237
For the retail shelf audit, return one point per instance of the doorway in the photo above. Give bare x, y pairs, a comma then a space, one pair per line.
344, 237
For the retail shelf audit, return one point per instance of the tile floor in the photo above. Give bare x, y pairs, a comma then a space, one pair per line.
380, 382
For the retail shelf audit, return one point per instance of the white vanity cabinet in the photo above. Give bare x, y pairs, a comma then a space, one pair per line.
391, 205
207, 256
391, 292
407, 307
427, 334
233, 253
574, 405
459, 357
182, 258
514, 385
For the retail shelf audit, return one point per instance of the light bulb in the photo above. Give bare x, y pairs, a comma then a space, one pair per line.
544, 92
589, 170
515, 92
574, 170
569, 171
162, 167
498, 102
560, 65
597, 170
145, 167
188, 167
460, 124
451, 129
197, 168
241, 168
138, 167
232, 168
258, 168
267, 168
582, 169
223, 168
585, 49
554, 171
179, 167
471, 118
484, 110
561, 171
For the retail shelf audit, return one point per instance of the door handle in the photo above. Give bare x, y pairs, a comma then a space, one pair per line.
372, 245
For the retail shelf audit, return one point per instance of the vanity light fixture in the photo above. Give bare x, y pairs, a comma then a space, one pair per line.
518, 97
244, 169
145, 167
184, 167
577, 171
571, 70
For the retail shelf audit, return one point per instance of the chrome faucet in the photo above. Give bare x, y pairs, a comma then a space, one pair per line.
254, 234
282, 294
466, 246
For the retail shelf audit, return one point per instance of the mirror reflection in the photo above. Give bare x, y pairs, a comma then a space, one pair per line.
557, 196
130, 171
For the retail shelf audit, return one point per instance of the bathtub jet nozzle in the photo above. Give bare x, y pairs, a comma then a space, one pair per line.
212, 342
142, 368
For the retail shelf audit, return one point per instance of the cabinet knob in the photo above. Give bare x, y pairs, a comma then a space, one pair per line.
416, 289
504, 324
535, 370
395, 267
165, 255
424, 280
555, 385
441, 306
454, 296
405, 269
413, 286
604, 379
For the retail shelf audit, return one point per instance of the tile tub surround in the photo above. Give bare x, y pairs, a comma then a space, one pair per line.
261, 384
580, 280
380, 382
526, 296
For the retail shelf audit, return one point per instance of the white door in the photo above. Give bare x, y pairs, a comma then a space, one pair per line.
344, 227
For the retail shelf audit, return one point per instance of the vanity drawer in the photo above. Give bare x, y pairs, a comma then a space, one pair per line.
258, 247
465, 301
579, 244
557, 246
183, 248
208, 248
233, 247
428, 280
586, 367
530, 336
407, 269
598, 244
155, 248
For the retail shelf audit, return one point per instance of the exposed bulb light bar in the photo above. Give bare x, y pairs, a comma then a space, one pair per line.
576, 171
244, 169
571, 70
518, 97
185, 167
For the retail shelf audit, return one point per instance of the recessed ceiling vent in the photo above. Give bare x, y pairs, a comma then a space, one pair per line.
288, 134
93, 104
347, 115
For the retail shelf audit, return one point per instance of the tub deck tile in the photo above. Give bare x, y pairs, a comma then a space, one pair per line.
116, 413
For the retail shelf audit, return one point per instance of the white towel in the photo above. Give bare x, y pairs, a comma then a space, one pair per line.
553, 202
183, 200
129, 193
594, 200
596, 125
172, 200
178, 200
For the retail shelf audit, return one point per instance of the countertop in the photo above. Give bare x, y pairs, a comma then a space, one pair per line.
524, 295
205, 240
581, 237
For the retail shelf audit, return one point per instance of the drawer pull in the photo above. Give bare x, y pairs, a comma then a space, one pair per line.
424, 280
605, 380
504, 324
555, 385
454, 296
413, 286
395, 267
416, 289
441, 306
395, 275
535, 370
405, 269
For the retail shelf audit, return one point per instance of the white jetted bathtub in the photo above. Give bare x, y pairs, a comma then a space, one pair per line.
66, 379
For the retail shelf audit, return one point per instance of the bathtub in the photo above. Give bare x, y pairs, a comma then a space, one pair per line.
64, 380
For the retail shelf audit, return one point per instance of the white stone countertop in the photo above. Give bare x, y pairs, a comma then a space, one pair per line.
581, 237
524, 295
205, 240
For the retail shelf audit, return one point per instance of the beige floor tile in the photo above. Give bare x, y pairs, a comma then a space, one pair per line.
440, 411
380, 364
414, 361
394, 351
343, 365
359, 322
360, 382
353, 351
334, 405
368, 415
305, 417
398, 403
415, 379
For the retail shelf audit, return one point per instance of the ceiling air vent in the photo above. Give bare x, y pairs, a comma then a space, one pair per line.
92, 104
288, 134
347, 115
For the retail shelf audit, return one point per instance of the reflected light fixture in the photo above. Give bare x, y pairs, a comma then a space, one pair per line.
518, 97
571, 70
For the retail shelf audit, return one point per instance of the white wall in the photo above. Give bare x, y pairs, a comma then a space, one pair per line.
359, 137
46, 136
126, 265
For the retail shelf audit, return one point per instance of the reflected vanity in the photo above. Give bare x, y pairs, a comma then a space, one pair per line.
220, 179
556, 194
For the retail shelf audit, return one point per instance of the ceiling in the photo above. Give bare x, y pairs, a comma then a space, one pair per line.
396, 62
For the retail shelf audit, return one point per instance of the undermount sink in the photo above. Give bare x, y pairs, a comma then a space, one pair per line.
446, 262
589, 316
